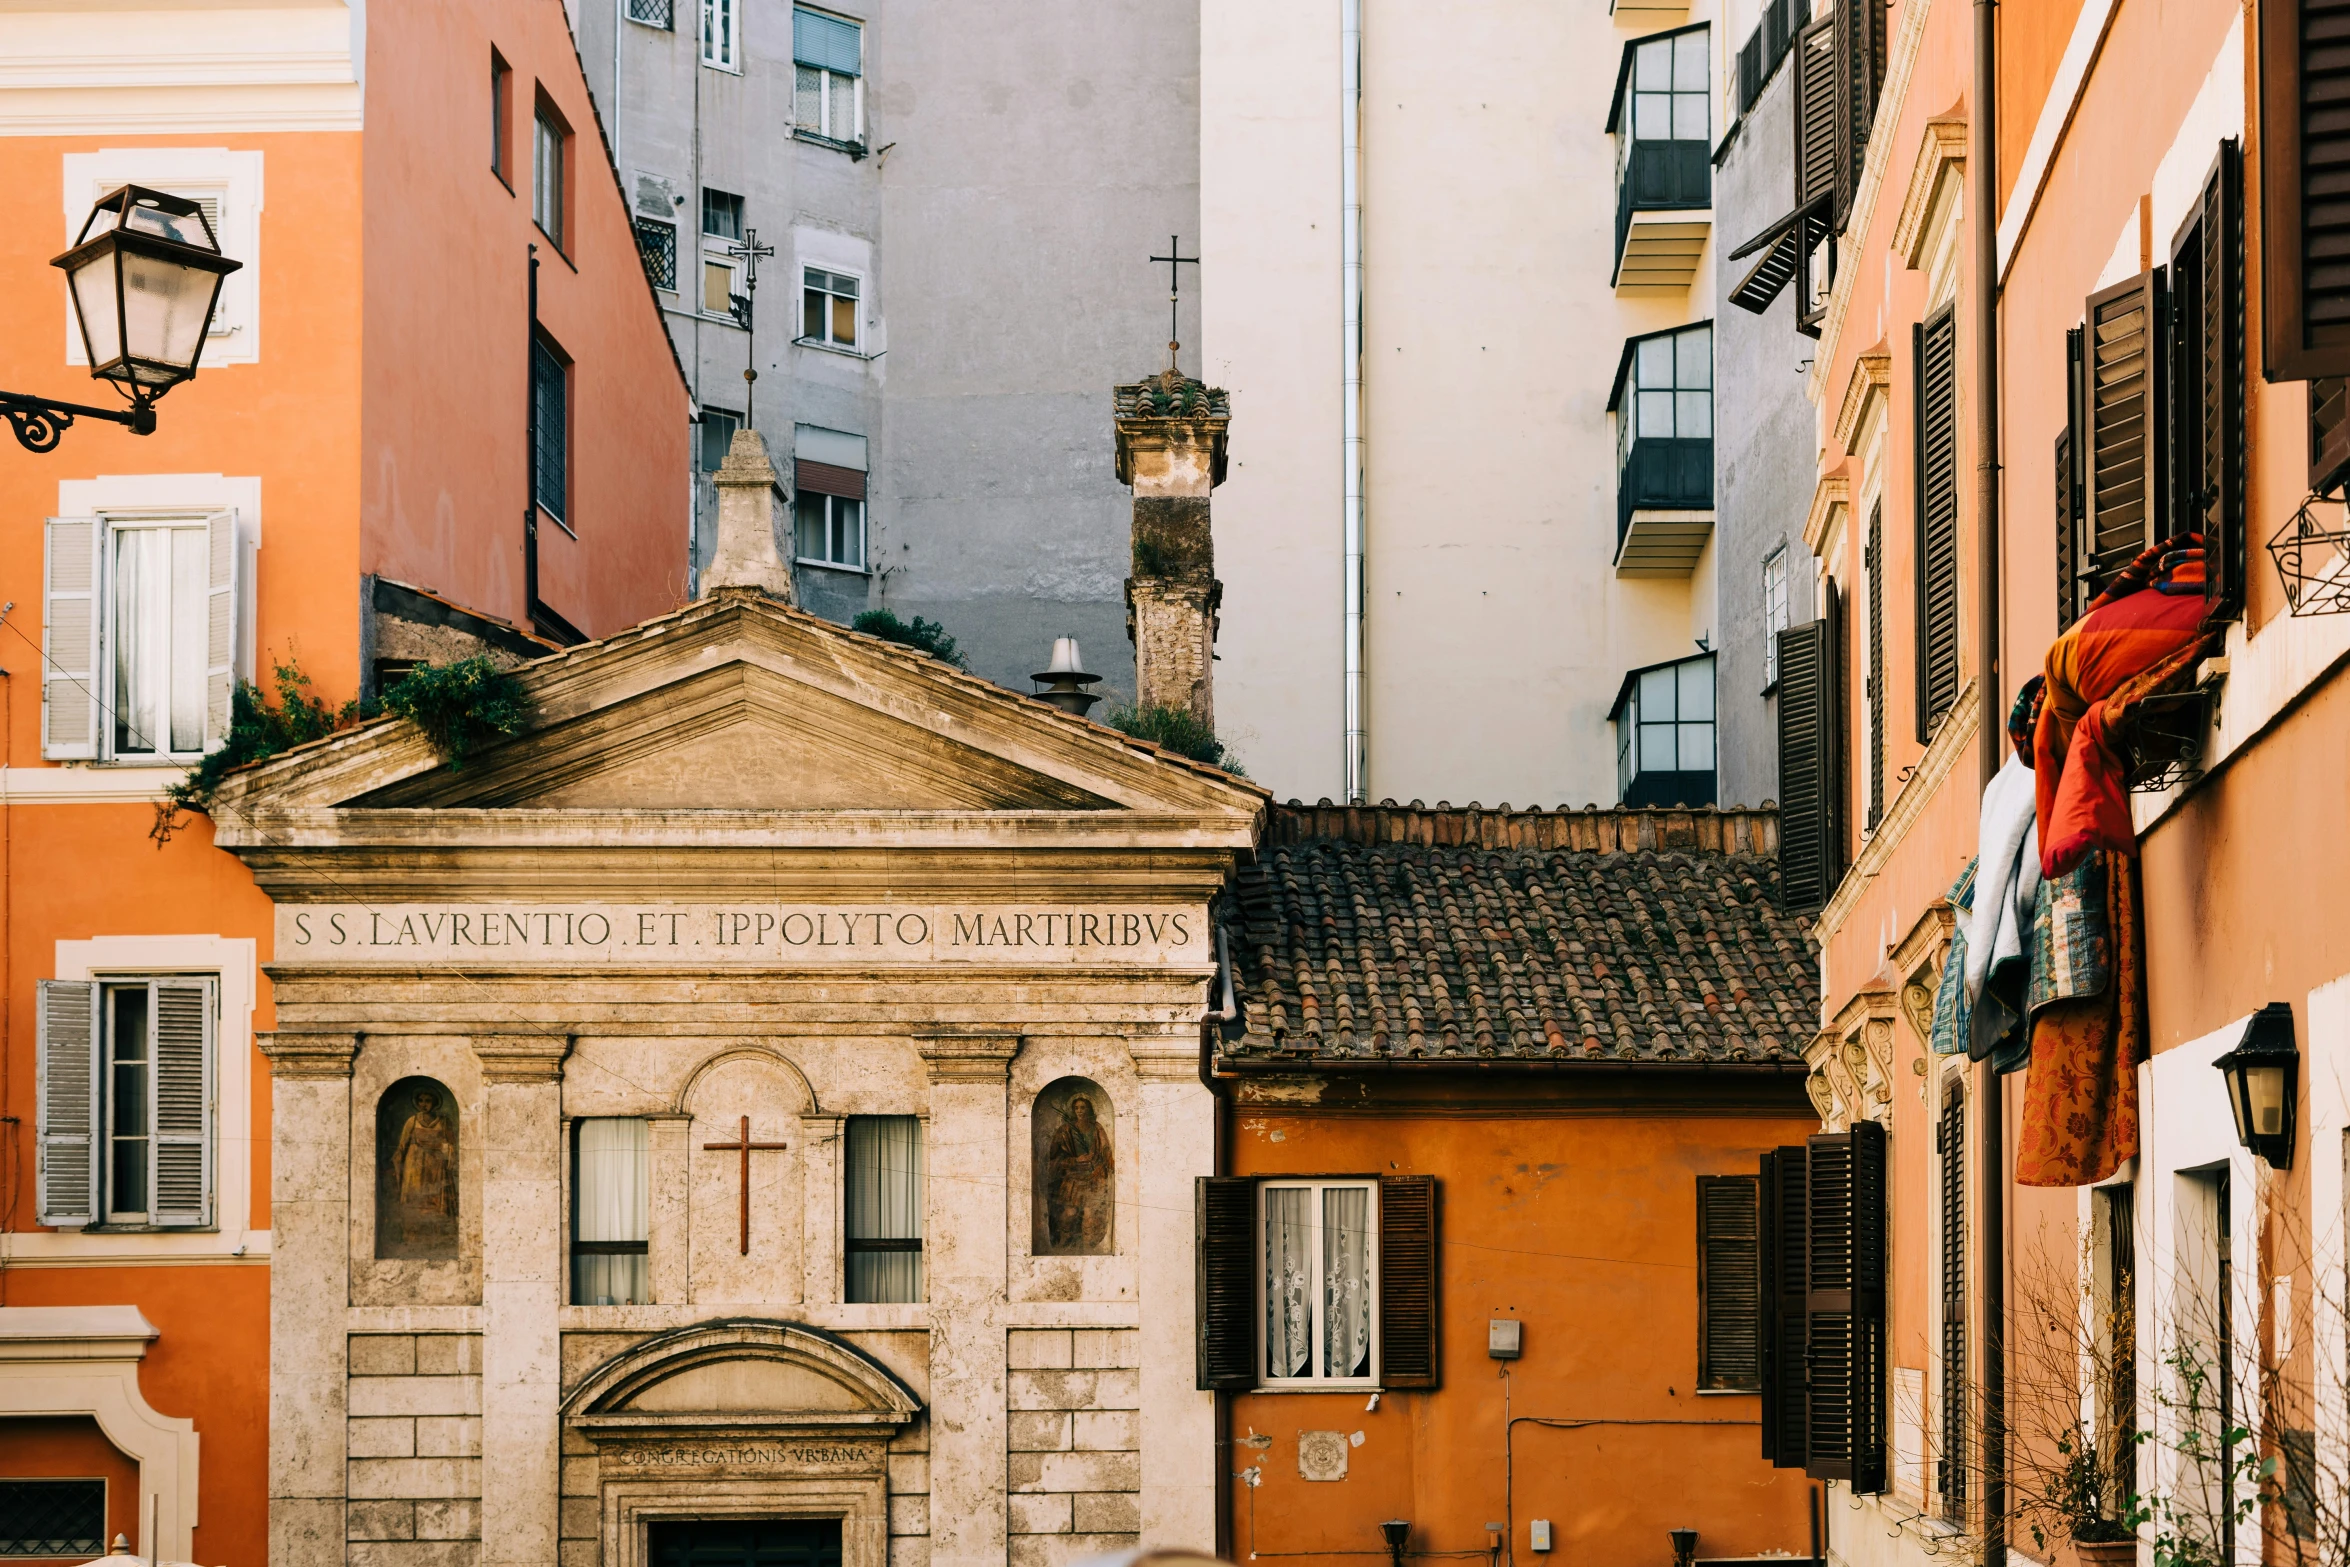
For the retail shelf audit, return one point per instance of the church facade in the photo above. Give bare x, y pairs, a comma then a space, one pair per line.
753, 1114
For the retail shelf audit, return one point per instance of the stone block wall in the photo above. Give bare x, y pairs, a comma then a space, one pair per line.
1074, 1400
415, 1450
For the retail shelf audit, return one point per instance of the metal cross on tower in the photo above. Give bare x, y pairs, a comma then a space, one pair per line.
747, 250
1176, 260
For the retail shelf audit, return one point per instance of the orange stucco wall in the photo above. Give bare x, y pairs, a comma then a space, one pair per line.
73, 1448
1584, 1228
447, 334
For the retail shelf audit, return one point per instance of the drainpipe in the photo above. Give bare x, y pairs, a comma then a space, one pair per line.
1991, 1177
1350, 226
1212, 1024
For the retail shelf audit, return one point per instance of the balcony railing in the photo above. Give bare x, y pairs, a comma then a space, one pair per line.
1664, 473
1660, 176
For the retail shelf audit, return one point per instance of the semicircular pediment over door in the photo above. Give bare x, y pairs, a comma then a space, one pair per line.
746, 1378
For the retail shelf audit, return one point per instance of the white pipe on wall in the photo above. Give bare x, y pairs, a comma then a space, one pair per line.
1350, 183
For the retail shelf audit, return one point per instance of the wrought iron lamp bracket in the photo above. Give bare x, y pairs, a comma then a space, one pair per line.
40, 422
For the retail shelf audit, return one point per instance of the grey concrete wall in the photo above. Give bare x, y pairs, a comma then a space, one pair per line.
1024, 162
1763, 445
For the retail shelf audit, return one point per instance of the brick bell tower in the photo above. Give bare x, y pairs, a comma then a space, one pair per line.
1171, 435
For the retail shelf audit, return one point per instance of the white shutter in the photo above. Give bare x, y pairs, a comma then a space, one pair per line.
66, 1097
220, 627
69, 640
183, 1013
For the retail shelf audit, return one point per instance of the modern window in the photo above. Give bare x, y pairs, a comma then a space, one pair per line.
717, 436
501, 117
52, 1518
722, 228
653, 13
828, 85
126, 1101
1774, 574
721, 43
656, 241
550, 397
611, 1211
831, 530
828, 307
1318, 1279
1663, 403
549, 147
885, 1196
1664, 718
1662, 120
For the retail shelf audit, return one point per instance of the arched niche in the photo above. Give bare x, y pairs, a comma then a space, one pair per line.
416, 1170
1073, 1179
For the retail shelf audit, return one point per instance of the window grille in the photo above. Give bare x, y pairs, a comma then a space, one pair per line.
653, 13
657, 243
52, 1518
551, 408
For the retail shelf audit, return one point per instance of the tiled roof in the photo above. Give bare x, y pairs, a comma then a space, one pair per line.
1397, 932
1171, 395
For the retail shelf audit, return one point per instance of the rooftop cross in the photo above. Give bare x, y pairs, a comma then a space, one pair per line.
747, 250
1175, 259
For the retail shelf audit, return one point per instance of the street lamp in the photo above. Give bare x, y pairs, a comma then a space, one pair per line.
143, 275
2261, 1073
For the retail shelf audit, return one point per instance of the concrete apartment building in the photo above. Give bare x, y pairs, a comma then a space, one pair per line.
962, 202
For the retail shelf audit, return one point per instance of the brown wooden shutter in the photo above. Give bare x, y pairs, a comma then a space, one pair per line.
1950, 1144
1844, 1307
1408, 1303
1860, 74
1729, 1302
2329, 432
1225, 1222
1873, 557
2305, 188
1934, 364
2205, 436
2071, 505
1783, 1254
1810, 845
2122, 445
1815, 114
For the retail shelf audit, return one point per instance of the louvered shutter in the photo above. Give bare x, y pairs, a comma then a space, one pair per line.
183, 1013
1784, 1418
1844, 1307
2121, 444
1224, 1210
1810, 778
1934, 360
2305, 188
2071, 504
1408, 1290
1860, 73
2207, 380
1950, 1144
2329, 432
67, 1102
220, 626
1873, 558
1815, 114
1729, 1301
70, 624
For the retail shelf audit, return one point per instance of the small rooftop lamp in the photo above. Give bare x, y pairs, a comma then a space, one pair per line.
143, 277
2262, 1075
1684, 1545
1066, 680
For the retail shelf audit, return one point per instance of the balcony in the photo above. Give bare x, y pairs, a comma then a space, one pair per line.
1664, 506
1664, 212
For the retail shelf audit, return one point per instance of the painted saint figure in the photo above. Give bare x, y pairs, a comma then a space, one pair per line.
1078, 1180
416, 1209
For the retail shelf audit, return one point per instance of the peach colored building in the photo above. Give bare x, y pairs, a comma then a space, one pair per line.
346, 486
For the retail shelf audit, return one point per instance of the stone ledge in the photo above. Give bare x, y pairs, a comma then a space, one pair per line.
969, 1058
308, 1055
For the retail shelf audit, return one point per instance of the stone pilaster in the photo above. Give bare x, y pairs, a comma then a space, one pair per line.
820, 1221
1178, 1426
1171, 439
968, 1088
309, 1293
672, 1250
754, 523
521, 1292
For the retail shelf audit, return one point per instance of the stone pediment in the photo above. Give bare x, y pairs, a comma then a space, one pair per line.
738, 704
745, 1379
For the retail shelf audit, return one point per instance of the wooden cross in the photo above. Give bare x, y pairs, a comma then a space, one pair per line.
744, 1144
1176, 260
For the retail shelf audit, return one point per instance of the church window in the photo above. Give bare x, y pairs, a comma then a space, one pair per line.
885, 1201
611, 1215
125, 1093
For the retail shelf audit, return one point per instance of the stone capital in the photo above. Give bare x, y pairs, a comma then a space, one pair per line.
521, 1058
308, 1055
968, 1058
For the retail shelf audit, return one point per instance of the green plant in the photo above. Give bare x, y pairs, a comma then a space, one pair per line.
460, 706
1177, 729
256, 732
924, 636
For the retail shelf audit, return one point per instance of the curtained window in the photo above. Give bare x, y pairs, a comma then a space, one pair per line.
610, 1215
1319, 1292
885, 1199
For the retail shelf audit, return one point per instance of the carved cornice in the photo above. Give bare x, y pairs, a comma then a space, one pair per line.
969, 1058
1941, 157
521, 1058
1950, 742
308, 1055
1851, 1061
1833, 490
1917, 961
1864, 391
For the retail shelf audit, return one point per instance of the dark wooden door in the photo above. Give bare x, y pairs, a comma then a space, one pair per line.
747, 1542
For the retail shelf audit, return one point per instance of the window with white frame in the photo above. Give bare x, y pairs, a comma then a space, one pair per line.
831, 529
548, 135
722, 228
227, 186
717, 434
1318, 1280
125, 1101
828, 96
1774, 575
139, 638
828, 307
721, 44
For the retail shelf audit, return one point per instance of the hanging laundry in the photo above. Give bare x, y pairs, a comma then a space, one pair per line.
2080, 1117
2007, 887
1952, 1026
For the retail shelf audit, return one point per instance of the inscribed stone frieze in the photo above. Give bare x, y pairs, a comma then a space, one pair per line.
760, 935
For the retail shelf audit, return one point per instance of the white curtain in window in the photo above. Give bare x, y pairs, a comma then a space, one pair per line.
885, 1199
1289, 1282
612, 1201
160, 581
1346, 1282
